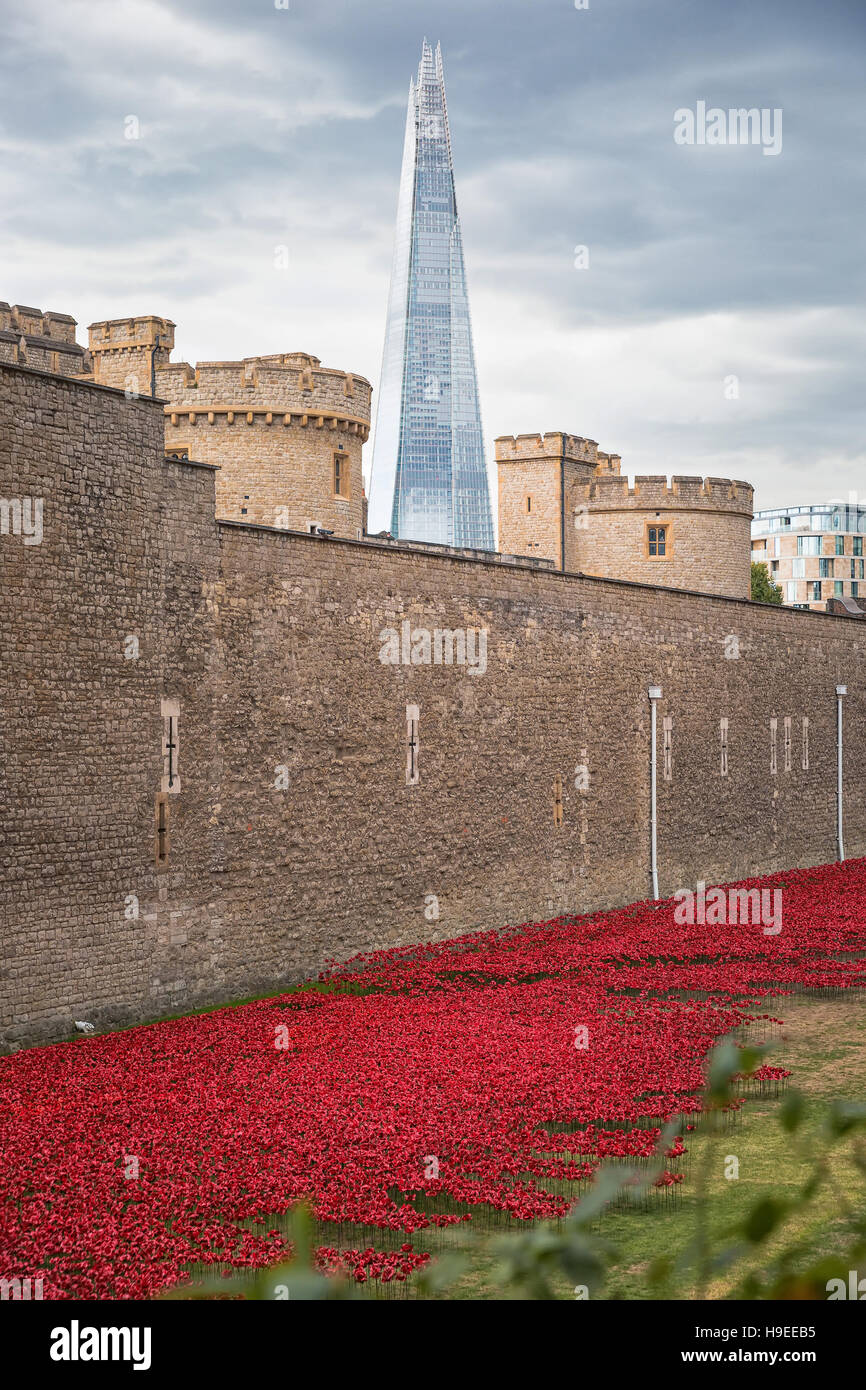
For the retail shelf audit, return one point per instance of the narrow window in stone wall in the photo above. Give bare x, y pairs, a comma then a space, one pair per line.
170, 747
341, 475
557, 801
529, 504
413, 775
788, 742
161, 847
774, 725
668, 733
805, 745
723, 731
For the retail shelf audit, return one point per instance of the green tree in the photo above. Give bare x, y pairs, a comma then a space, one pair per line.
763, 588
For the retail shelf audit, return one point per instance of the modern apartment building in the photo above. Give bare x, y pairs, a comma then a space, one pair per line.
814, 553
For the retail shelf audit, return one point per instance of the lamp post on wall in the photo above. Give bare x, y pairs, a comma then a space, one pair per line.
841, 690
655, 694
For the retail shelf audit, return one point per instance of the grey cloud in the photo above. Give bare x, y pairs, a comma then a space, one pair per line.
263, 127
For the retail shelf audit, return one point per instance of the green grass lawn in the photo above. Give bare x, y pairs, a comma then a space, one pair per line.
824, 1044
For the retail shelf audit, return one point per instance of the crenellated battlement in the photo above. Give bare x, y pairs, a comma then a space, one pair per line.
654, 491
126, 353
292, 386
18, 318
554, 444
123, 335
31, 338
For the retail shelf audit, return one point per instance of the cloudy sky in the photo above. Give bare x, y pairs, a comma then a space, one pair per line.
264, 127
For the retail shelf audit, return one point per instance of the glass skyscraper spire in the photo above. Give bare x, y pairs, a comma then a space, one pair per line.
429, 478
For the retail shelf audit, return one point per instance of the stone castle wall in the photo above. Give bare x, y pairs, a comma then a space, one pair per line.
293, 833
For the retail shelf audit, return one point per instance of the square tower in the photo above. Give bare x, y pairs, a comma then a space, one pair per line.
541, 478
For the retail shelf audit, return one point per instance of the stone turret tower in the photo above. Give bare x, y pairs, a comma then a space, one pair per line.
285, 433
561, 498
127, 353
539, 475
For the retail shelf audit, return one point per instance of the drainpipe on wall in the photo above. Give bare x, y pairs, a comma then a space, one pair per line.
655, 694
840, 691
153, 353
562, 502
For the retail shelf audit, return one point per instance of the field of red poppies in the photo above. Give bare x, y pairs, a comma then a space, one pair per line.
489, 1074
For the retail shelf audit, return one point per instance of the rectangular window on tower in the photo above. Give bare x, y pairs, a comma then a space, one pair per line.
657, 542
341, 475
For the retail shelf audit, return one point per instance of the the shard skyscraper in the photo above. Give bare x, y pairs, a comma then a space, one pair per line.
429, 478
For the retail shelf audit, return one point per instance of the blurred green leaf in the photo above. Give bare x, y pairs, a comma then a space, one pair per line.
763, 1219
792, 1112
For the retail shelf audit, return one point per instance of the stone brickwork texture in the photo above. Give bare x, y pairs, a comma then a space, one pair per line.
293, 836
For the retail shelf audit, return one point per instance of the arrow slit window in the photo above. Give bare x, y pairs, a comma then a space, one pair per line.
413, 775
170, 785
161, 829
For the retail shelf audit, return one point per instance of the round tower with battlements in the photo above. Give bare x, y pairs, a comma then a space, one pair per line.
285, 432
561, 498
